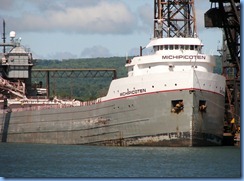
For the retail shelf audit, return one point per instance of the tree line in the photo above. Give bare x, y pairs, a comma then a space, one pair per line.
81, 88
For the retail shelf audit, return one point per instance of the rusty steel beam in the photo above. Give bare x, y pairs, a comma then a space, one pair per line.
75, 73
225, 14
72, 73
174, 18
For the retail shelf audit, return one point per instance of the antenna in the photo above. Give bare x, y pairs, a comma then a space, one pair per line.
4, 37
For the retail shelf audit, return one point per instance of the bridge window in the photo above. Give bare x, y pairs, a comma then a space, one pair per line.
198, 47
156, 48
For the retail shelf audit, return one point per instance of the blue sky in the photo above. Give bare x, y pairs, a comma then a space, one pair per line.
62, 29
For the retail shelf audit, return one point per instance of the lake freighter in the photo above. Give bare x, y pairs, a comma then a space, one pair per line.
170, 97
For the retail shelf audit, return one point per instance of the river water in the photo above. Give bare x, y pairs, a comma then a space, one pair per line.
72, 161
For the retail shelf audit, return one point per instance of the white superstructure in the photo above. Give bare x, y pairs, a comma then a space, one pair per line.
177, 63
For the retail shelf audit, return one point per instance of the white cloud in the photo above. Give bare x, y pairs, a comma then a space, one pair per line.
102, 18
46, 5
6, 5
145, 13
73, 25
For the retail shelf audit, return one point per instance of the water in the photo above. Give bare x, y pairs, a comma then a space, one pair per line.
47, 161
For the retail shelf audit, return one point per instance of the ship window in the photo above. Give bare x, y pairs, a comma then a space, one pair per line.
182, 47
176, 47
161, 47
198, 47
156, 48
191, 47
187, 47
166, 47
171, 47
177, 106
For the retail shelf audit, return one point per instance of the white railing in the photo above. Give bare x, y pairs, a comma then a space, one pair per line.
32, 105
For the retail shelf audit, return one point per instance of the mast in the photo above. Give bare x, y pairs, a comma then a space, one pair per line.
4, 37
174, 18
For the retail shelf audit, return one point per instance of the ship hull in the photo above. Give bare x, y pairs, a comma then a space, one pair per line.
146, 120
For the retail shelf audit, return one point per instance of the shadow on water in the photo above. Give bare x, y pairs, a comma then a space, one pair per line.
6, 120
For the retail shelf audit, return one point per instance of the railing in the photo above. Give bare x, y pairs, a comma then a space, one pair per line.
39, 105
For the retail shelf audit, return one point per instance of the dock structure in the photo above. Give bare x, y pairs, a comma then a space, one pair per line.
226, 15
16, 71
72, 73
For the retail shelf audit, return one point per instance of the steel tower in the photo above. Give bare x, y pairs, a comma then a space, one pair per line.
174, 18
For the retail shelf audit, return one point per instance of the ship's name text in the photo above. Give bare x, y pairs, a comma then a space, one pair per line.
137, 91
184, 57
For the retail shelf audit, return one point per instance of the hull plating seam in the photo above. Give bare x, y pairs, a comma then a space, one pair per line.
71, 112
88, 117
86, 129
189, 89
